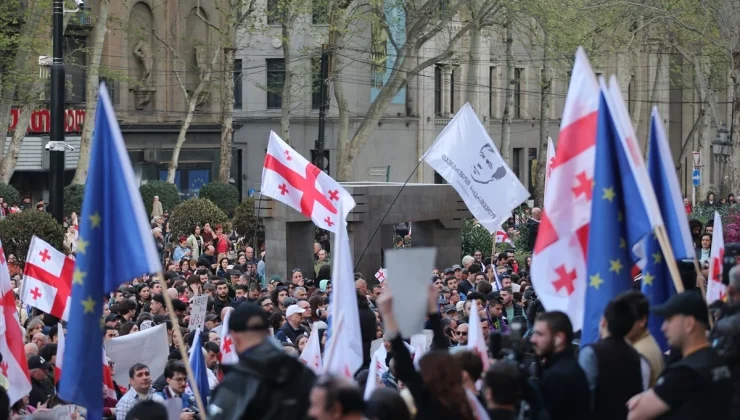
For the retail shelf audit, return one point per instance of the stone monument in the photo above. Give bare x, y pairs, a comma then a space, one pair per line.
144, 92
436, 212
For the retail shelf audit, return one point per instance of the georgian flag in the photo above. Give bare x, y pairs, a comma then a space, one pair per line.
13, 366
381, 275
715, 289
47, 279
227, 351
289, 178
502, 236
311, 355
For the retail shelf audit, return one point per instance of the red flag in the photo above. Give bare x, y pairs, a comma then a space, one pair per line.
715, 289
559, 259
47, 279
14, 366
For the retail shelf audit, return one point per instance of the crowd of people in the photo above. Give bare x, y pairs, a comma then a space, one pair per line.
533, 367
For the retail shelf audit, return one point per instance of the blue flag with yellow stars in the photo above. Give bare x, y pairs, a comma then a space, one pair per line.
619, 219
657, 284
115, 246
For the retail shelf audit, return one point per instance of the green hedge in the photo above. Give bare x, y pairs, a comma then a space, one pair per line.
17, 229
10, 194
168, 195
245, 219
196, 211
73, 197
225, 196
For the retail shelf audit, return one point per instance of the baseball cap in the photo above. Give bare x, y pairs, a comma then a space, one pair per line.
449, 308
456, 267
37, 362
294, 309
275, 278
689, 303
235, 273
248, 317
112, 317
449, 270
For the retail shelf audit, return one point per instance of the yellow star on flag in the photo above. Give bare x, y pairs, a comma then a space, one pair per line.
82, 245
89, 305
616, 265
657, 258
622, 243
647, 278
79, 277
609, 194
95, 219
596, 281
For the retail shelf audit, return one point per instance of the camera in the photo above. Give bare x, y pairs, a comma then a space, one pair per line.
80, 4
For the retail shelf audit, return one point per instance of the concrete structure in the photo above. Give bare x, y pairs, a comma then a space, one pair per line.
436, 211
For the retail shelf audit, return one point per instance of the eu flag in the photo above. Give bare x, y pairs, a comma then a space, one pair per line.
619, 219
198, 365
113, 219
657, 284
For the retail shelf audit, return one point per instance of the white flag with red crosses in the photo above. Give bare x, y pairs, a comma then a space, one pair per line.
227, 352
47, 279
291, 179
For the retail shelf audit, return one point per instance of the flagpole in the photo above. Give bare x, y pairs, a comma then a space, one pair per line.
665, 247
181, 346
388, 210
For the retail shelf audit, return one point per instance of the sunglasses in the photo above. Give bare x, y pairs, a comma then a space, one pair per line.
462, 333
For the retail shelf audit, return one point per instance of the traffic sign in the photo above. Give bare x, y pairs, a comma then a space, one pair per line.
696, 177
697, 159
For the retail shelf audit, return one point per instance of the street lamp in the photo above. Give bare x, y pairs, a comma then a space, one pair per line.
721, 148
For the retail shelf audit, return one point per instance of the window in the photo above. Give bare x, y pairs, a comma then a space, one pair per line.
237, 84
272, 12
319, 12
518, 92
517, 162
532, 159
275, 80
316, 82
438, 91
491, 91
452, 90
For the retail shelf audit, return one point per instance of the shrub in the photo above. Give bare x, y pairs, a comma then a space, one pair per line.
9, 194
475, 237
245, 220
73, 197
168, 195
225, 196
196, 211
17, 229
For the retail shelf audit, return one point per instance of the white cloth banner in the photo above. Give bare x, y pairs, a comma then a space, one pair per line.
149, 347
466, 157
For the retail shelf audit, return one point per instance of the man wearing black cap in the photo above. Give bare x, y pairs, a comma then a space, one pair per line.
726, 336
42, 389
267, 383
698, 385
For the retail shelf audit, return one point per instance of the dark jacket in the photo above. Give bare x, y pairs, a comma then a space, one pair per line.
267, 383
427, 405
564, 388
41, 391
725, 338
286, 332
219, 305
619, 378
368, 332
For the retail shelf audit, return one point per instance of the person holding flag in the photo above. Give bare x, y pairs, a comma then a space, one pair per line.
113, 217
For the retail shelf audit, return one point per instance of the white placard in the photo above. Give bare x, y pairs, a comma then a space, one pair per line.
408, 277
198, 312
149, 347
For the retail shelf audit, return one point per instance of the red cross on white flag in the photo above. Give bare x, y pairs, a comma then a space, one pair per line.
14, 366
716, 290
311, 355
291, 179
227, 351
47, 279
380, 275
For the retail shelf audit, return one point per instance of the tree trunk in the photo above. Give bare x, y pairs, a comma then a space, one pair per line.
7, 165
545, 89
287, 85
734, 163
91, 97
192, 101
509, 103
653, 94
227, 116
474, 51
335, 41
350, 150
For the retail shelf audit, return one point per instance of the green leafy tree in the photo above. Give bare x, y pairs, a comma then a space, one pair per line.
196, 211
245, 220
9, 194
225, 196
167, 193
73, 196
17, 230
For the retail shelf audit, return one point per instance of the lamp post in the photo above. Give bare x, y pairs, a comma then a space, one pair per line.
721, 149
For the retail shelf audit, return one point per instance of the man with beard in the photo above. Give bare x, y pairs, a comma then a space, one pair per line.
563, 385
